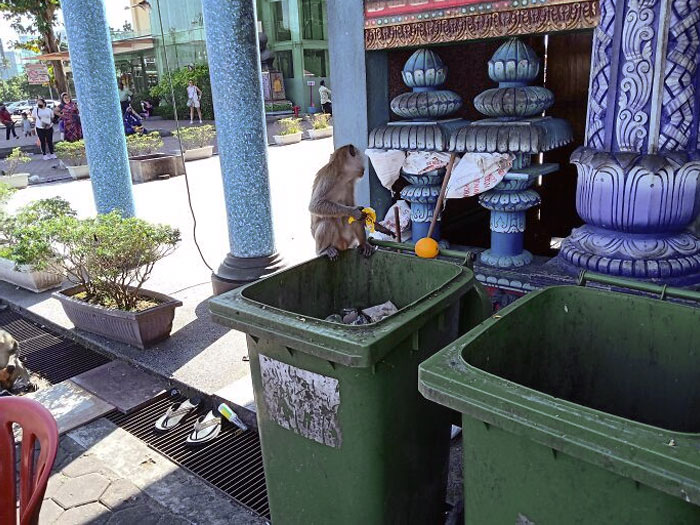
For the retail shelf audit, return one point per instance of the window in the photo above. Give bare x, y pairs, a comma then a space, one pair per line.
315, 62
280, 13
285, 63
313, 26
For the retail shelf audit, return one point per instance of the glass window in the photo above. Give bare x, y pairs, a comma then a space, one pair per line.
285, 63
280, 12
315, 62
313, 25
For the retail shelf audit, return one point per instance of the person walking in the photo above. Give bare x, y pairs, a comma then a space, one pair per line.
68, 112
43, 118
125, 95
194, 96
27, 125
6, 120
325, 95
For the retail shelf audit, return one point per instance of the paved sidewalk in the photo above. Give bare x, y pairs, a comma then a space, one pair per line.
104, 475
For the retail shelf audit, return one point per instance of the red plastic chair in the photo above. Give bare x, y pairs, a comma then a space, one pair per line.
37, 424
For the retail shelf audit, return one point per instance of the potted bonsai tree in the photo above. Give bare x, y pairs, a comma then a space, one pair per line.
146, 162
108, 259
72, 155
320, 126
290, 131
10, 175
197, 141
27, 259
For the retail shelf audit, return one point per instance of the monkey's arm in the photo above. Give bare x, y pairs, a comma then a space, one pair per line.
326, 208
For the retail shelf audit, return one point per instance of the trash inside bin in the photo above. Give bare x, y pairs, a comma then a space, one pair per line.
346, 437
579, 406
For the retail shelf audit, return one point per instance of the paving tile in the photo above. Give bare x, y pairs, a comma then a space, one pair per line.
87, 464
121, 385
70, 405
50, 512
122, 493
55, 483
68, 451
145, 514
79, 491
92, 514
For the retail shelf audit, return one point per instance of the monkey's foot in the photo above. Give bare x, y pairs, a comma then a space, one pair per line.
331, 252
366, 249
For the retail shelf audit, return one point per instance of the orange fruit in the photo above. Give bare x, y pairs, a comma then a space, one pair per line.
427, 248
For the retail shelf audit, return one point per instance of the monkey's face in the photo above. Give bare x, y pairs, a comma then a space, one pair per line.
354, 160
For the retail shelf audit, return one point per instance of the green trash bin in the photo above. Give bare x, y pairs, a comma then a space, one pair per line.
579, 406
346, 437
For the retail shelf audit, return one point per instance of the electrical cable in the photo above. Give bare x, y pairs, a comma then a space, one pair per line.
179, 140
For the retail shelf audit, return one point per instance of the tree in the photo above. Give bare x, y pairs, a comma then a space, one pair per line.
41, 15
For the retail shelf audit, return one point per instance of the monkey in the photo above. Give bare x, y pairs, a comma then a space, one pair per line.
11, 367
8, 347
333, 203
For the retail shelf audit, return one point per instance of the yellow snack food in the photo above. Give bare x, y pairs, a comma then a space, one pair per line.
370, 218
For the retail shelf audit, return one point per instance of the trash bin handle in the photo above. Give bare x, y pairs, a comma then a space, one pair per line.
663, 291
467, 258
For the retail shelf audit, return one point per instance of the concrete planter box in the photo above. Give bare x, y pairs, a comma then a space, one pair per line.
139, 329
81, 171
18, 180
315, 134
145, 168
285, 140
25, 278
199, 153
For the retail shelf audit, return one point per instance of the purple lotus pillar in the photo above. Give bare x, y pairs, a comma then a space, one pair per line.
639, 171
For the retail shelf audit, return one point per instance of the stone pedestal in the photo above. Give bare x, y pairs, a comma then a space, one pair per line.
234, 63
638, 186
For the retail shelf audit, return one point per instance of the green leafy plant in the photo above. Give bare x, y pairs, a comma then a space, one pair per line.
143, 144
111, 256
23, 236
14, 160
321, 121
289, 126
196, 136
271, 107
71, 153
179, 78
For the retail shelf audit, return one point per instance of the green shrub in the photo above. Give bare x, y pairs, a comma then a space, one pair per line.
143, 144
23, 236
289, 126
179, 79
110, 256
196, 136
271, 107
71, 153
321, 121
14, 160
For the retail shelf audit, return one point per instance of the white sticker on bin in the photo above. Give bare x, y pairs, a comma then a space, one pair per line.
304, 402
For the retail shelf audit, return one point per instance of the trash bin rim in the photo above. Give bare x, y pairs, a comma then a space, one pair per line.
239, 312
633, 449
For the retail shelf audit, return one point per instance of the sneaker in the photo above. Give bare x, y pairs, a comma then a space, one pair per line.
200, 121
191, 122
53, 156
46, 157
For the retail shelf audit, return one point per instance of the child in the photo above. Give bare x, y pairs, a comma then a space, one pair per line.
27, 125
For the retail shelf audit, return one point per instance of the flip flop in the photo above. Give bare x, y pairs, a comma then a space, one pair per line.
175, 414
206, 428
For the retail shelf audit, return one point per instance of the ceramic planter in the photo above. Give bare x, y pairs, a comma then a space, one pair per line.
139, 329
25, 278
18, 180
145, 168
285, 140
199, 153
315, 134
81, 171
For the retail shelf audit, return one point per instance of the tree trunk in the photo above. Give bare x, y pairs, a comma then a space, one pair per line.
59, 74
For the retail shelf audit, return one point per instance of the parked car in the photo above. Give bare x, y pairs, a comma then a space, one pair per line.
17, 108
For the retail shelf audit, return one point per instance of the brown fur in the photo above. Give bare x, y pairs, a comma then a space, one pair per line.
333, 203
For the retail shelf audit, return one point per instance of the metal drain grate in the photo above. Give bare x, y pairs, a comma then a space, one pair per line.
46, 354
231, 463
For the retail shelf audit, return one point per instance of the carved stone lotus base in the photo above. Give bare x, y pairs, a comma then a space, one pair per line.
672, 258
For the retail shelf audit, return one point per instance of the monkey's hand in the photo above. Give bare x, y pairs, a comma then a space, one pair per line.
358, 214
366, 249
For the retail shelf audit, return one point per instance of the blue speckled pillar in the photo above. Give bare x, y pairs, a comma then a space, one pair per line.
100, 114
236, 82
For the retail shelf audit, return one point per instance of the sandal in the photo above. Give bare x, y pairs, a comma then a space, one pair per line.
206, 428
175, 414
